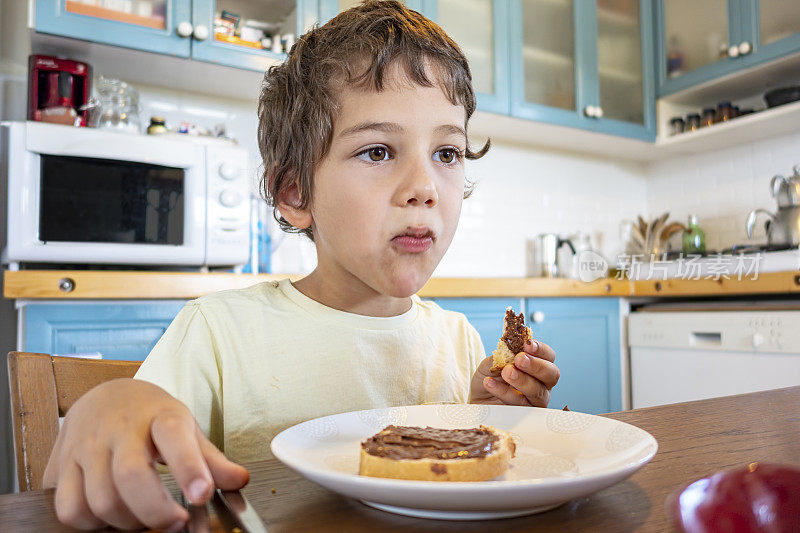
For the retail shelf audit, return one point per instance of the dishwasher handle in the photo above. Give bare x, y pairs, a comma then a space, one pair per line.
706, 339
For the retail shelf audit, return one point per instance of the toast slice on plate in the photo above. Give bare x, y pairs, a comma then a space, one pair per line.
433, 454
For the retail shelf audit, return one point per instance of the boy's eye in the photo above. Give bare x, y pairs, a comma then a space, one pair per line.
447, 155
374, 154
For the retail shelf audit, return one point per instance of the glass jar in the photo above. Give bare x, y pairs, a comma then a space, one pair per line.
692, 122
157, 126
724, 113
676, 125
708, 118
116, 106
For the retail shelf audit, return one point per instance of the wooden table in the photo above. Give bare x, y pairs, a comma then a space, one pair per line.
695, 439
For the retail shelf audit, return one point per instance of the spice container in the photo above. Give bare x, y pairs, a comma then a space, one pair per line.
676, 125
157, 126
724, 113
709, 114
692, 122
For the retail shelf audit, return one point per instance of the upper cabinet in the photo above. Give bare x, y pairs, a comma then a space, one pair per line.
479, 28
700, 41
152, 26
200, 29
583, 64
267, 29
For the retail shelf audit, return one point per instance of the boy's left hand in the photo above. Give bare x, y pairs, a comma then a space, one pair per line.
527, 382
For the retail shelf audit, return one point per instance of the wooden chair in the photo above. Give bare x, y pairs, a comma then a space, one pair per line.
43, 388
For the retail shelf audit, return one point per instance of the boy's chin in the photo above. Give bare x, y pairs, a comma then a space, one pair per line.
406, 284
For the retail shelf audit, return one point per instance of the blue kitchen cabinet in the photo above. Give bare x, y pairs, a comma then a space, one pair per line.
584, 332
330, 8
183, 28
478, 27
296, 18
586, 65
154, 30
701, 41
586, 336
485, 315
773, 26
118, 330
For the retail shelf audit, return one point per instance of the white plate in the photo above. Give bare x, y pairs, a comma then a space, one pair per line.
560, 455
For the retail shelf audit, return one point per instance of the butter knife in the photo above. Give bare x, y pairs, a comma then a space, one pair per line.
235, 512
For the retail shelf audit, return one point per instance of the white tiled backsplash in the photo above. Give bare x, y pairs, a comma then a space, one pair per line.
722, 187
519, 193
523, 191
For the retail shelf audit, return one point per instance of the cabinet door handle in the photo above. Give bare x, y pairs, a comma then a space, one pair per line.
184, 29
733, 51
537, 317
200, 33
745, 48
598, 112
590, 111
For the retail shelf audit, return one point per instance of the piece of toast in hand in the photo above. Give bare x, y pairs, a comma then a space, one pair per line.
515, 335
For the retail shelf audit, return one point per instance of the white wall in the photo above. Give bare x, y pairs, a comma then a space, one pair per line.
721, 187
522, 192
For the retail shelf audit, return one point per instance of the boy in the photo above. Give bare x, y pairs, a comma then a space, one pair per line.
363, 135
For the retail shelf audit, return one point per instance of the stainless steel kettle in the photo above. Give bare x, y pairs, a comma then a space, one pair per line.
783, 227
545, 255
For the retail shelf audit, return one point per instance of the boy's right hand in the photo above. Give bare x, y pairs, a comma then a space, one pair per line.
103, 462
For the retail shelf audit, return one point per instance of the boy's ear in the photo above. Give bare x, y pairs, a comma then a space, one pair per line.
289, 204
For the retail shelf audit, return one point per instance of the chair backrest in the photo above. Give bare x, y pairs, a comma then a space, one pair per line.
43, 388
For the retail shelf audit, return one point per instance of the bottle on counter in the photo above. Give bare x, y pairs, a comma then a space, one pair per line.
694, 239
157, 126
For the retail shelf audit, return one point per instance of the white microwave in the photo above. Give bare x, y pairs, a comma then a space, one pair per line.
80, 195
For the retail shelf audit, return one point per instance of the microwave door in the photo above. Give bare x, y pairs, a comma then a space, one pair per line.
110, 202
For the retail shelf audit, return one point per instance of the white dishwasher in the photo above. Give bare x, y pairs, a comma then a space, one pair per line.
686, 354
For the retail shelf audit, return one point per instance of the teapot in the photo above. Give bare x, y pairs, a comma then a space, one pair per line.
783, 226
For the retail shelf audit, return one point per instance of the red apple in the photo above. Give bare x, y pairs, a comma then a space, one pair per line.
761, 497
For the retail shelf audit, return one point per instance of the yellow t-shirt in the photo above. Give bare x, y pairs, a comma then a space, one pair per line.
251, 362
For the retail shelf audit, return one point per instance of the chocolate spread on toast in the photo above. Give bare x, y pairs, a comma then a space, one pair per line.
407, 442
515, 331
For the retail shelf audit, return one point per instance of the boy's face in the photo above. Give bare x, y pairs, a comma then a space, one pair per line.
388, 195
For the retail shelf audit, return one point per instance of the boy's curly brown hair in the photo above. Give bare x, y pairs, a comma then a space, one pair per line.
297, 105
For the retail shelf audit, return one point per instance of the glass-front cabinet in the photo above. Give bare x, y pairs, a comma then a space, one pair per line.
479, 28
248, 34
701, 41
583, 64
150, 25
774, 28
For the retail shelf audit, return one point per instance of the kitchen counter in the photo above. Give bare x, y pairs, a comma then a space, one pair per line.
102, 284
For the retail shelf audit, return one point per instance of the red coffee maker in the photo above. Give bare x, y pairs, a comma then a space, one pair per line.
57, 89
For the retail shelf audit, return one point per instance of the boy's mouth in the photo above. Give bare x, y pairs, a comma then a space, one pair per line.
418, 239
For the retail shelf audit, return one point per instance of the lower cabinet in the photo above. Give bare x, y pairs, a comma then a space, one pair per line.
116, 330
586, 336
584, 332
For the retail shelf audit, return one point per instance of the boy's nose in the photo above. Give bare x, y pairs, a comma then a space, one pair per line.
419, 187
